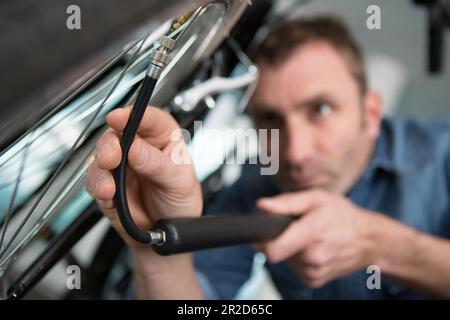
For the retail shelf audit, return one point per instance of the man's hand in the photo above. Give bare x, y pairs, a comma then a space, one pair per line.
328, 241
156, 187
334, 237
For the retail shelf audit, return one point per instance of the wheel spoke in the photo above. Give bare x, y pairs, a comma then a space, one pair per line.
71, 151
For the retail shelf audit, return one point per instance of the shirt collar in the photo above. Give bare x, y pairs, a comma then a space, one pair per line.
383, 156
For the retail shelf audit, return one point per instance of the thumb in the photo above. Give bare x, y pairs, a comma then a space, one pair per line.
295, 238
292, 203
149, 161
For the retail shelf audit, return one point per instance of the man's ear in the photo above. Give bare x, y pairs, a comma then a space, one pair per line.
373, 105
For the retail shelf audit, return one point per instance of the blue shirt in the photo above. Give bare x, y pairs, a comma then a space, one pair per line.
407, 178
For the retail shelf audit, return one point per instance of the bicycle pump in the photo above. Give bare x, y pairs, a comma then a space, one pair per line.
178, 235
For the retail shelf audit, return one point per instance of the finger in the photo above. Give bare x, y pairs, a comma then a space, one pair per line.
292, 203
108, 150
109, 211
111, 215
312, 276
295, 238
107, 205
149, 161
100, 183
155, 123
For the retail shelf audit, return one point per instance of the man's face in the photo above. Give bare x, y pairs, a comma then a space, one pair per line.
327, 130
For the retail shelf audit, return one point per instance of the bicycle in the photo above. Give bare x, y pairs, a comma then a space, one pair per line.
48, 210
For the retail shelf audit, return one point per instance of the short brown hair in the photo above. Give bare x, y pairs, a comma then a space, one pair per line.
281, 41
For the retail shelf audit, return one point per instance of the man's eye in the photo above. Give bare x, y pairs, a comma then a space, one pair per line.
322, 110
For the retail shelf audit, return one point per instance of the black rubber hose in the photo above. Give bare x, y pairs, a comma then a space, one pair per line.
192, 234
120, 174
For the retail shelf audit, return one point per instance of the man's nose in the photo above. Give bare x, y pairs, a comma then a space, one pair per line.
299, 145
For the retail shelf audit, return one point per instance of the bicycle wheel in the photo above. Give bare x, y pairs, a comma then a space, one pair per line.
43, 170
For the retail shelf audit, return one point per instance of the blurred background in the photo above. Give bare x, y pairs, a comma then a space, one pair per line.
397, 57
397, 63
42, 61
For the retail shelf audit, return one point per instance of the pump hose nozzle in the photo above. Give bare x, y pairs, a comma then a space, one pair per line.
159, 60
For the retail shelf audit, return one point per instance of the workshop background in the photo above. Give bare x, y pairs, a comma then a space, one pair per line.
397, 65
396, 59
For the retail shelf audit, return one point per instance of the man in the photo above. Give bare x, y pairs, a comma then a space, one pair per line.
369, 191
